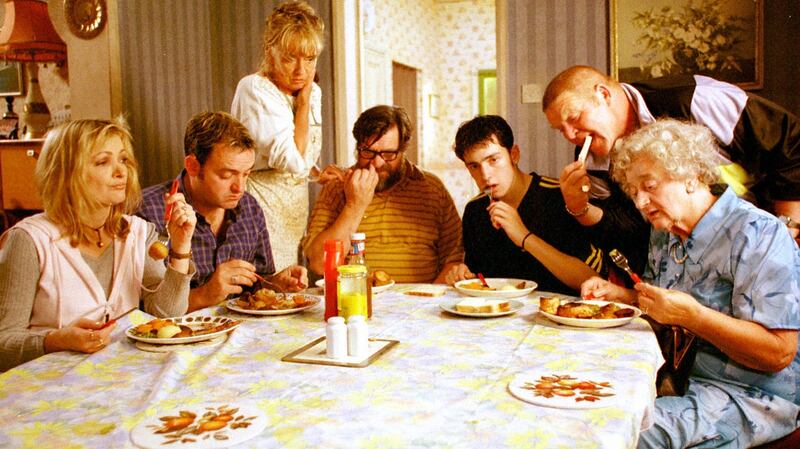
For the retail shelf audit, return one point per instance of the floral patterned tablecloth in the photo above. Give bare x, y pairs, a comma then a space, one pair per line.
444, 385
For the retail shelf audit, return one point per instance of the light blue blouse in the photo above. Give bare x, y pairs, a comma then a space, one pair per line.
741, 261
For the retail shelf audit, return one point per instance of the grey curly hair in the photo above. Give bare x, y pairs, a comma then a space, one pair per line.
684, 150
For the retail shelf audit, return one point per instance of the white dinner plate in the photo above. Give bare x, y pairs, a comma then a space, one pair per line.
524, 386
450, 306
195, 322
312, 301
241, 422
321, 284
496, 283
598, 323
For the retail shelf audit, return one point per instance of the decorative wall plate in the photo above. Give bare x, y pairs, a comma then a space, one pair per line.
86, 18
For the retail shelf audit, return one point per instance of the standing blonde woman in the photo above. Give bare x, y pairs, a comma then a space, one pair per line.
67, 271
281, 107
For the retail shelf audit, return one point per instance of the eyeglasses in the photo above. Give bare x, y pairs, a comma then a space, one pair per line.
388, 155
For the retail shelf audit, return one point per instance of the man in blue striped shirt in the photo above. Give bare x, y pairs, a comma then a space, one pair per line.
230, 245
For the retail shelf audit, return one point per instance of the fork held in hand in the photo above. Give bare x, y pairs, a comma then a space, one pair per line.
164, 236
622, 262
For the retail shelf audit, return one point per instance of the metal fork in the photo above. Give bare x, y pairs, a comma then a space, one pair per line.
622, 262
163, 236
273, 286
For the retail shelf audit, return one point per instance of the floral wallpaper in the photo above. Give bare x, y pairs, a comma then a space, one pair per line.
448, 42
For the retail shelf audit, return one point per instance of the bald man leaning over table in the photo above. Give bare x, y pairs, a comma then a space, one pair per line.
412, 226
231, 243
759, 141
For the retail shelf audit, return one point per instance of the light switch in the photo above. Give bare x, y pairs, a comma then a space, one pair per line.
531, 93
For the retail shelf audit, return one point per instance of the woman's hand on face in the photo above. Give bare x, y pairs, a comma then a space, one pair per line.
506, 217
303, 96
85, 336
666, 306
181, 224
575, 185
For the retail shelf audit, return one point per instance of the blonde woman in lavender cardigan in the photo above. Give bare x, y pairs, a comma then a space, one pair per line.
67, 271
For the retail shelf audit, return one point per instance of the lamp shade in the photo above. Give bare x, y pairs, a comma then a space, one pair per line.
28, 35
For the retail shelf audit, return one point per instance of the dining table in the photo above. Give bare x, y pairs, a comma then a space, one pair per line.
446, 383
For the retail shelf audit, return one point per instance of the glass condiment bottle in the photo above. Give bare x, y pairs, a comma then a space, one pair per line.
352, 291
333, 254
358, 256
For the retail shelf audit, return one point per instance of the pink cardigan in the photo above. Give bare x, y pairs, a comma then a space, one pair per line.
69, 290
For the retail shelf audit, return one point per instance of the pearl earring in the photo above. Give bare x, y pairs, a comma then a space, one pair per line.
690, 187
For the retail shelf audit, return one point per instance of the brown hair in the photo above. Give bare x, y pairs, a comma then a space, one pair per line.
207, 129
61, 173
483, 129
373, 123
292, 27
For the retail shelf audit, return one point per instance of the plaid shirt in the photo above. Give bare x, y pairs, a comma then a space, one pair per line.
246, 237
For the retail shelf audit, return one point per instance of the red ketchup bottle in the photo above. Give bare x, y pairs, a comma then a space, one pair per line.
333, 257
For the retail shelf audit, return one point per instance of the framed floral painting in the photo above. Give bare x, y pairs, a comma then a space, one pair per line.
719, 38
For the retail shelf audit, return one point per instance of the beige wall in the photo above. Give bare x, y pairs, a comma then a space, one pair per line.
89, 91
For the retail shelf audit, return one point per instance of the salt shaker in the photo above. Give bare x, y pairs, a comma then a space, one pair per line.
357, 336
336, 338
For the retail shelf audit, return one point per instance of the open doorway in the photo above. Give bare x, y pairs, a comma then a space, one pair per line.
443, 45
404, 94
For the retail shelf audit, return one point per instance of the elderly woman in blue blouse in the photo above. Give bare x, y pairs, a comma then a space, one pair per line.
724, 270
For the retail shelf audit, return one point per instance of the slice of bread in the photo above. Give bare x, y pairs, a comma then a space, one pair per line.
549, 304
483, 305
428, 290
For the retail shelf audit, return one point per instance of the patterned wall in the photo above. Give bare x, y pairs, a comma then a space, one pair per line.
543, 38
448, 42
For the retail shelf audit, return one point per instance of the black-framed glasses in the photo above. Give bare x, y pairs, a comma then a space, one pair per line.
387, 155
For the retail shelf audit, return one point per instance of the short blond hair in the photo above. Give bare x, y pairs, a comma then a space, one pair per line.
574, 88
293, 27
685, 151
61, 174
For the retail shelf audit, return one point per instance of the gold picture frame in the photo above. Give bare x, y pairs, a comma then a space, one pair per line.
722, 39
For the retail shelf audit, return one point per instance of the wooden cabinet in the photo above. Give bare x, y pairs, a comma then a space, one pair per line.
17, 164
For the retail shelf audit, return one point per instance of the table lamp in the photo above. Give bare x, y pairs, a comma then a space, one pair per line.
28, 36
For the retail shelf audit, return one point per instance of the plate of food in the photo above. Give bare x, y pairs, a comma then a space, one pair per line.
563, 390
381, 281
267, 302
498, 287
185, 329
481, 307
587, 313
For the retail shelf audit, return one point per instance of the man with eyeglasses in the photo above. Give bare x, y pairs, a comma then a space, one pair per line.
412, 226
